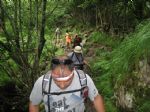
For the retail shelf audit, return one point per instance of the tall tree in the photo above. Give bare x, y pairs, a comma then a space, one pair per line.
22, 49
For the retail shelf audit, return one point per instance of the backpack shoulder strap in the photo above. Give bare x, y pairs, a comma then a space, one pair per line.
83, 83
82, 77
78, 58
46, 80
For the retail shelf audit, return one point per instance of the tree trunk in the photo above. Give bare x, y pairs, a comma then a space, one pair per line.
29, 40
16, 24
40, 44
96, 16
37, 20
20, 24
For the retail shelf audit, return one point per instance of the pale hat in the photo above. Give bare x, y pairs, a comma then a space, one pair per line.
78, 49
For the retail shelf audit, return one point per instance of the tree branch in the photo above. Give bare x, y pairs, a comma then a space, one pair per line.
5, 46
42, 32
7, 15
41, 43
49, 14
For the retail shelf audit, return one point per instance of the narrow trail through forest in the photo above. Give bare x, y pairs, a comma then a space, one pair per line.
86, 44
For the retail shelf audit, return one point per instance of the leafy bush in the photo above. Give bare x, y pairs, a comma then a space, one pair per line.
144, 107
98, 37
103, 84
131, 50
4, 79
110, 107
111, 67
104, 39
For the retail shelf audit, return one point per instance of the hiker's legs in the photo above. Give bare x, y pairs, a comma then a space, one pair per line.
69, 42
68, 45
58, 39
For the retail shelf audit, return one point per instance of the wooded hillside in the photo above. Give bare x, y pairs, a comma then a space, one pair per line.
116, 38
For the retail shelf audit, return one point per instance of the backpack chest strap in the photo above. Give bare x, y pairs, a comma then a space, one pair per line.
64, 92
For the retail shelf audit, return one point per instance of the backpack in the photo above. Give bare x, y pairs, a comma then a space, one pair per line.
77, 57
47, 79
79, 66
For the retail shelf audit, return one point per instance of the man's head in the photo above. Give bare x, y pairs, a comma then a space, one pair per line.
78, 49
62, 71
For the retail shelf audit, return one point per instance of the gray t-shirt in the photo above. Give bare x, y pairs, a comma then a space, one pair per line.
71, 102
76, 58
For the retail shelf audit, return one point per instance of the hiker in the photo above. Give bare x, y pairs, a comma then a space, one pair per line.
68, 40
57, 35
77, 57
77, 41
64, 89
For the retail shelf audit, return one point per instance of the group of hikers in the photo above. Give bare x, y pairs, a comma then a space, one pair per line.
65, 87
70, 41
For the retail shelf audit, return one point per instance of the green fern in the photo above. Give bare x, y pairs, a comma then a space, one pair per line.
131, 50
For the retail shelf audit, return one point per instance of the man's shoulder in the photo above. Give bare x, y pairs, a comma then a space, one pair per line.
40, 79
81, 72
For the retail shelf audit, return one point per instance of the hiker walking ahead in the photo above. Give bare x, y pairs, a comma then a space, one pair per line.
77, 57
77, 41
64, 89
68, 40
57, 35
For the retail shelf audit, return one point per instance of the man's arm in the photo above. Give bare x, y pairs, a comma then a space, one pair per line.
86, 63
33, 108
36, 95
94, 96
98, 104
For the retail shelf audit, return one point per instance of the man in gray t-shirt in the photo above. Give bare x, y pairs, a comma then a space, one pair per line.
64, 89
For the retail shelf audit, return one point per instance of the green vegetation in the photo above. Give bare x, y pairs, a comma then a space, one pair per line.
131, 50
118, 40
113, 69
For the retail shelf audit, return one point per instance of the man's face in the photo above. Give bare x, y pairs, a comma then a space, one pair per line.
61, 74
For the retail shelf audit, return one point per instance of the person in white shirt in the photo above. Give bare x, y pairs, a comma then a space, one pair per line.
64, 89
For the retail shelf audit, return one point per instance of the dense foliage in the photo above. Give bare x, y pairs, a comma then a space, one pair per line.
122, 64
118, 38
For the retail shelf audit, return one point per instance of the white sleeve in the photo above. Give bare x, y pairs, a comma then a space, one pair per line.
36, 94
92, 92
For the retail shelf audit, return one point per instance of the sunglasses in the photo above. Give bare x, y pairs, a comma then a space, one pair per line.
64, 62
